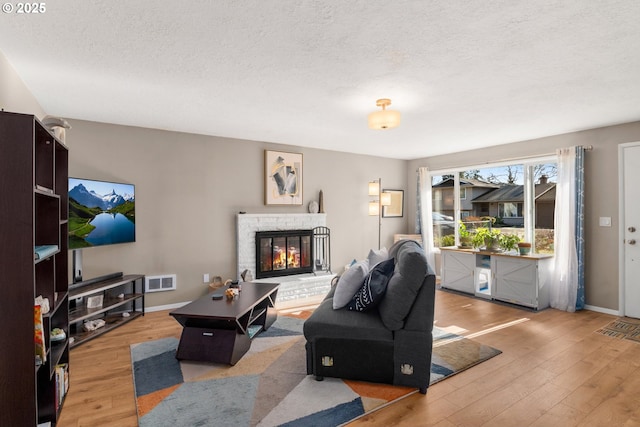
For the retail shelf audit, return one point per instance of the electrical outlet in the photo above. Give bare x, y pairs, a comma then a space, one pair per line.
205, 278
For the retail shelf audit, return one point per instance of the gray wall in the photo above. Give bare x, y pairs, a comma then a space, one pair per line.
601, 195
190, 187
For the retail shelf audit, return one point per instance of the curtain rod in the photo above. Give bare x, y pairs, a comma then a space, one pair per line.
513, 159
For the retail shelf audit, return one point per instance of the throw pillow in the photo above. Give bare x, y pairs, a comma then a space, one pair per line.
377, 256
372, 290
349, 283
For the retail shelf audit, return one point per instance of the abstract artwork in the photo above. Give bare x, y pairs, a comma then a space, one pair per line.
283, 178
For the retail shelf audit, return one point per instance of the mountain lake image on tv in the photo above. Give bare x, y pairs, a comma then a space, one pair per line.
100, 213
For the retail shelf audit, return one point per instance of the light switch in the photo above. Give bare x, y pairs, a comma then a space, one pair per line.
605, 221
205, 278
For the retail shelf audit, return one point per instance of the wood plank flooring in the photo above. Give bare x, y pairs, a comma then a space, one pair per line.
554, 371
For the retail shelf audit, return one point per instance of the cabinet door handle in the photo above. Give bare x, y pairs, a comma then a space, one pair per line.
207, 334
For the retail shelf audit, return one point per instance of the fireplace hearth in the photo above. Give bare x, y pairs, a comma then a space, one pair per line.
283, 253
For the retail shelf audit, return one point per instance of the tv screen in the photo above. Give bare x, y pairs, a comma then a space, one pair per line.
100, 213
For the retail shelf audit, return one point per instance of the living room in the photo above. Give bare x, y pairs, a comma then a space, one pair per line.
190, 185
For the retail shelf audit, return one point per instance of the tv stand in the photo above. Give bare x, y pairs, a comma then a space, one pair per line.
79, 284
114, 298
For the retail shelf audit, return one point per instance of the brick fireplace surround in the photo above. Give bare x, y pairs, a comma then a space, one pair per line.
295, 290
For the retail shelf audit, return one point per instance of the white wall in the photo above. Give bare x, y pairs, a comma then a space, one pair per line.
601, 195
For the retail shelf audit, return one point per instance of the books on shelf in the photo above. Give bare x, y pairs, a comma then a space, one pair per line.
41, 349
44, 251
62, 383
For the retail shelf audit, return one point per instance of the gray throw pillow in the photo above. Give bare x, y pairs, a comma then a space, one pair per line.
349, 283
377, 256
374, 287
402, 289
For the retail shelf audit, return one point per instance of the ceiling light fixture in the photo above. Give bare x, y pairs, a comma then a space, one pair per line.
384, 119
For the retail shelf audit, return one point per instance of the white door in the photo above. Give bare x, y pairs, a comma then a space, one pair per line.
630, 207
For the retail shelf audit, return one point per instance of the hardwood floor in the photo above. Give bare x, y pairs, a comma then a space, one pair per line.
554, 371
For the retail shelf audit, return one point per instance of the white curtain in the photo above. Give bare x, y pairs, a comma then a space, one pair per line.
424, 218
564, 286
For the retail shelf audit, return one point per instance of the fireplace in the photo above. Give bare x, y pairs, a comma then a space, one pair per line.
283, 253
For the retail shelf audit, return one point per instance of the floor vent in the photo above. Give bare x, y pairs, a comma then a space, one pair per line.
165, 282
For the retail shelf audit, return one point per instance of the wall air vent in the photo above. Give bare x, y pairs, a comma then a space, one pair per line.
166, 282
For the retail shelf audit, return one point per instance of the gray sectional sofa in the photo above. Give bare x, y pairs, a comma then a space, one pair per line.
389, 343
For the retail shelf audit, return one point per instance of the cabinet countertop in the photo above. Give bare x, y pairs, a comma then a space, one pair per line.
505, 254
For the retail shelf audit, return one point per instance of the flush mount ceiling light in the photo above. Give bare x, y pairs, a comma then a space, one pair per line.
385, 119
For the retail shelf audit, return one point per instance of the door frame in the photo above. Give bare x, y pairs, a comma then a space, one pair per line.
621, 226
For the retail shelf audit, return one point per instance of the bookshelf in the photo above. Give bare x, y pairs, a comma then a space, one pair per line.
33, 263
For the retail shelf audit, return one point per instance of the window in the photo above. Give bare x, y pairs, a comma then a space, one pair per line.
510, 210
516, 198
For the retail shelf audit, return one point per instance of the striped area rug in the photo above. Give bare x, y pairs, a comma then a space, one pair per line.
269, 386
623, 328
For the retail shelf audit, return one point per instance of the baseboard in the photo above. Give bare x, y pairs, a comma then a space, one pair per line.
602, 310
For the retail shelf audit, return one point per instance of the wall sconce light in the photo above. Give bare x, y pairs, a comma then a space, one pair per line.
375, 206
384, 119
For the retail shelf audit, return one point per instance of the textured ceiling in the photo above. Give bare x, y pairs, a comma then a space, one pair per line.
464, 74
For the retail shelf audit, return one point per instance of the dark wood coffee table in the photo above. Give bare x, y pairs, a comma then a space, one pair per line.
221, 330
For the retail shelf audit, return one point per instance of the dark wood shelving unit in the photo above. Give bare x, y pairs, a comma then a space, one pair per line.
34, 187
130, 286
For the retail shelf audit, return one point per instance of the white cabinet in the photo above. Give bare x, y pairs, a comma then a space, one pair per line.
458, 270
522, 280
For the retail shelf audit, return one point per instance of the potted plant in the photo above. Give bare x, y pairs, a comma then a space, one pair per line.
466, 239
508, 242
486, 238
524, 248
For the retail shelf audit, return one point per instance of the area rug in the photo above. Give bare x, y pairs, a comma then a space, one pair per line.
269, 385
626, 329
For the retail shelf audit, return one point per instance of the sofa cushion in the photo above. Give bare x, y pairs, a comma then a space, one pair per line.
377, 256
410, 271
325, 322
349, 283
373, 289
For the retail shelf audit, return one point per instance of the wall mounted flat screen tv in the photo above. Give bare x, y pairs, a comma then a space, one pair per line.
100, 213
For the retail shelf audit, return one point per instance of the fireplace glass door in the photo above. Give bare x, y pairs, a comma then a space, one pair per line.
282, 253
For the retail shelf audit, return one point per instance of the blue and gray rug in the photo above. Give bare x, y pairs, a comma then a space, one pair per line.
269, 385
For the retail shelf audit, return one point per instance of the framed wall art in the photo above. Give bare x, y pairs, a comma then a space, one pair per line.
282, 178
396, 208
